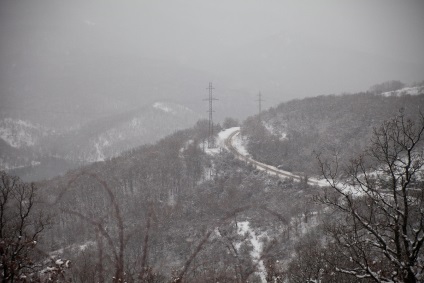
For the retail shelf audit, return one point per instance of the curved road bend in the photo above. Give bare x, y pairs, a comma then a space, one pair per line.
268, 168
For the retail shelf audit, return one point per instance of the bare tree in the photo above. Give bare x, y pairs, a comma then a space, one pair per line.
20, 228
116, 246
380, 195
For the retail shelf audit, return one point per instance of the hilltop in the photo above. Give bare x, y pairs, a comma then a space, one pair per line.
292, 133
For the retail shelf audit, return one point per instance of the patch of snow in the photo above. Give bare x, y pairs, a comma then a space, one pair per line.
35, 163
98, 147
405, 91
23, 123
186, 145
135, 123
83, 247
223, 135
6, 166
18, 133
220, 141
240, 145
273, 131
172, 108
100, 156
217, 233
243, 229
213, 150
163, 107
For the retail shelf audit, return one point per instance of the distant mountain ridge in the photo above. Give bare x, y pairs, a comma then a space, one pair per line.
19, 133
26, 146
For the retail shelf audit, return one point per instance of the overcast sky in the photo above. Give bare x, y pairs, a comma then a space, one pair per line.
180, 27
208, 34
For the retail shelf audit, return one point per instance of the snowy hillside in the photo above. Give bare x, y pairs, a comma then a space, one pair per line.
405, 91
27, 147
155, 122
19, 133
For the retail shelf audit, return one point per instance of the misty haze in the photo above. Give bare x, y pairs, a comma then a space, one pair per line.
211, 141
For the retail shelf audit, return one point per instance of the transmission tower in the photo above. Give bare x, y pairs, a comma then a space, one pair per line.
211, 140
260, 104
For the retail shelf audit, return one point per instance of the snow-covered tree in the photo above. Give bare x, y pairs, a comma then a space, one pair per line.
21, 224
381, 197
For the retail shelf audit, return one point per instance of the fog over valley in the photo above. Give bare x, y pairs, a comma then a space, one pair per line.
205, 141
97, 57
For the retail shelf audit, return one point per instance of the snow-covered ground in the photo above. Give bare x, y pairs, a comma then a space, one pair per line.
240, 145
257, 245
19, 133
225, 134
405, 91
220, 141
58, 253
172, 108
274, 131
163, 107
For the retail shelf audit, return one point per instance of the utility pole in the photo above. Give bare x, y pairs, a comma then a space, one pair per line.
260, 104
211, 140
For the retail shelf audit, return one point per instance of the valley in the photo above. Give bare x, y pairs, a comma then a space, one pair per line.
177, 210
211, 141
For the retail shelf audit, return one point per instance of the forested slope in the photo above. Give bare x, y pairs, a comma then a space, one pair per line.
176, 211
291, 134
172, 201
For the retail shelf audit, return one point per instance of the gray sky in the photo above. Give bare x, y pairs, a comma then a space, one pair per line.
200, 29
286, 49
